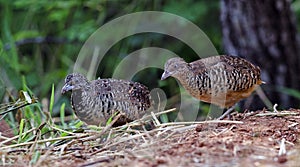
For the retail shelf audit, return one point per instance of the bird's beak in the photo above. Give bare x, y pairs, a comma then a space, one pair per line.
66, 88
165, 75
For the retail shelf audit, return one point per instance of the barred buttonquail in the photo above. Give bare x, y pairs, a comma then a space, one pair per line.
96, 101
221, 80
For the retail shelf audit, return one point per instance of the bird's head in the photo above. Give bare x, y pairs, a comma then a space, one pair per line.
74, 81
173, 67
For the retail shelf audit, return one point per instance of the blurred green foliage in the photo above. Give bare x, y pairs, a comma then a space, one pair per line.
40, 40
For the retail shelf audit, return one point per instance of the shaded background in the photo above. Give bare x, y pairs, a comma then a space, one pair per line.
40, 41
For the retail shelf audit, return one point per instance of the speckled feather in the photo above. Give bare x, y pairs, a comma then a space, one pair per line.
96, 101
221, 80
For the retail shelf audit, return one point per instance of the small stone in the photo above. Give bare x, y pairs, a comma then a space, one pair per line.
281, 158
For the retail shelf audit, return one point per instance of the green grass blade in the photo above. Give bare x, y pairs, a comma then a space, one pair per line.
21, 128
24, 85
111, 118
51, 100
35, 157
62, 115
291, 92
164, 118
78, 124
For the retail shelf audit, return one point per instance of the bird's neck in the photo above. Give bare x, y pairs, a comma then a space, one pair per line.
184, 76
80, 97
78, 93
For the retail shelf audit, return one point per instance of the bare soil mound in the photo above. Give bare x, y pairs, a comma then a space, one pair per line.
259, 138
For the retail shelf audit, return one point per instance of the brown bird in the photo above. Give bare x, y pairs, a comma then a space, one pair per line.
221, 80
94, 102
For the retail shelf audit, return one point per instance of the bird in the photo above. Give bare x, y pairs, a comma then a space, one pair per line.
222, 80
95, 102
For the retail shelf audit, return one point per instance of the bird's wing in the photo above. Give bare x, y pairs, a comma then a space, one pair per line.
224, 62
108, 89
198, 67
238, 63
211, 63
120, 90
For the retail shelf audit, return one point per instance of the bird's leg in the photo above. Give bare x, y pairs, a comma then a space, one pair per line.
227, 112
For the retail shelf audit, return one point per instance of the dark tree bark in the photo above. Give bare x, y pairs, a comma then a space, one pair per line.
265, 32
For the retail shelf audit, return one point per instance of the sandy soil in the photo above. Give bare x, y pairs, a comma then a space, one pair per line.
251, 139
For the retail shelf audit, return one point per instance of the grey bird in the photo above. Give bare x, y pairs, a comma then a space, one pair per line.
94, 102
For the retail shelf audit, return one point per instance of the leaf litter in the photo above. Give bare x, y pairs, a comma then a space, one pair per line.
260, 138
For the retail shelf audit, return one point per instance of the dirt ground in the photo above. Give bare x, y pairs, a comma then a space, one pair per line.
259, 138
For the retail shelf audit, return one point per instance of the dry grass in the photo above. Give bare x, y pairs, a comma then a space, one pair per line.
167, 144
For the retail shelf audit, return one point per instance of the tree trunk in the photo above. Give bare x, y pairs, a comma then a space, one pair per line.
265, 32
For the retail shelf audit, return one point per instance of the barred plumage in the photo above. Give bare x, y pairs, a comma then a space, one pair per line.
222, 80
96, 101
